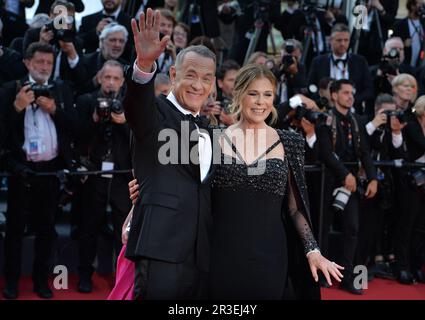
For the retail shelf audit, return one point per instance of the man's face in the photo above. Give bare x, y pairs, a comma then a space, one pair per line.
113, 46
340, 41
111, 5
70, 17
40, 66
344, 98
111, 79
193, 81
227, 84
166, 26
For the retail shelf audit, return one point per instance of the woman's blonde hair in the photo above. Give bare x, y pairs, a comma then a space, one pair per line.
420, 106
246, 75
405, 77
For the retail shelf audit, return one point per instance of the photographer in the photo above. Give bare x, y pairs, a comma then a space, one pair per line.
377, 219
41, 113
166, 28
67, 45
226, 75
410, 197
411, 31
384, 12
343, 139
104, 138
392, 64
291, 74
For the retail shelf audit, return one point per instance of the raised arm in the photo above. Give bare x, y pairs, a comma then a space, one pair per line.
139, 103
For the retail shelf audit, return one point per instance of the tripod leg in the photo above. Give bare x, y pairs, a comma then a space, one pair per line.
252, 43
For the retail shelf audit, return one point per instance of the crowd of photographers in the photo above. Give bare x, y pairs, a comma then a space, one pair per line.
352, 95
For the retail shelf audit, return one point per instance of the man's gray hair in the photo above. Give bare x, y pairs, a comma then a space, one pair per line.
339, 27
112, 28
383, 98
162, 78
390, 40
112, 63
199, 49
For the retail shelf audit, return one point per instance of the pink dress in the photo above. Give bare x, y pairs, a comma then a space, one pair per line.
124, 282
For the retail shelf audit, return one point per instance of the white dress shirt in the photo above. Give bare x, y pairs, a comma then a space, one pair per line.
339, 71
204, 145
41, 140
397, 139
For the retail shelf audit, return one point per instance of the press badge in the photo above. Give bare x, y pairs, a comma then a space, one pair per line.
106, 166
34, 147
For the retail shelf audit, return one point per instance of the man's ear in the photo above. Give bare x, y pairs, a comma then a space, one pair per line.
26, 63
172, 74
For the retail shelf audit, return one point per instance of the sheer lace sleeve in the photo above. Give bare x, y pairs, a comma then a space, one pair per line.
300, 222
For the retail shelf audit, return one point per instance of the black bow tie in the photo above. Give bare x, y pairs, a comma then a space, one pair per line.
344, 61
201, 122
105, 16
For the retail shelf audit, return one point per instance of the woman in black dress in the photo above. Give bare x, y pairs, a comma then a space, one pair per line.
260, 206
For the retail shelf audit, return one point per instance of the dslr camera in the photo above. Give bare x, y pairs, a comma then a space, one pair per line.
107, 105
41, 90
390, 62
400, 115
65, 35
225, 104
301, 111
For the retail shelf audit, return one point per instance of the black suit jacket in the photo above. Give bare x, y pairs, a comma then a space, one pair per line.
415, 139
172, 217
358, 73
44, 6
401, 29
90, 39
22, 6
92, 137
327, 151
64, 119
11, 66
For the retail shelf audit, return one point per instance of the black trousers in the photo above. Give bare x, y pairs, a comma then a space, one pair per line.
160, 280
97, 192
350, 225
35, 198
411, 212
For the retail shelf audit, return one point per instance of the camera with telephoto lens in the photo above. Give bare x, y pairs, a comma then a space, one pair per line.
41, 90
65, 35
390, 62
315, 117
341, 198
107, 105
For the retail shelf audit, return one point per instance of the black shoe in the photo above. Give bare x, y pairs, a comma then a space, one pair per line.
43, 290
11, 291
419, 276
85, 285
405, 277
348, 285
383, 270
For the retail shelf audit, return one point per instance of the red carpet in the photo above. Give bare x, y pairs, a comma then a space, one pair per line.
378, 290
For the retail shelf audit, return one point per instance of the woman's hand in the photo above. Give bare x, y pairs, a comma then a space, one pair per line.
133, 188
328, 268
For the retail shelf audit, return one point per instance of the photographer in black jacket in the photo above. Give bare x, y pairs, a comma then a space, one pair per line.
104, 140
41, 114
343, 139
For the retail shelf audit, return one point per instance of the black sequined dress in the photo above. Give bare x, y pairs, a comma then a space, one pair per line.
249, 248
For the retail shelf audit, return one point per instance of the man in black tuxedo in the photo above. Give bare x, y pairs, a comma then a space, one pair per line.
17, 7
169, 234
43, 121
93, 24
340, 64
12, 13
